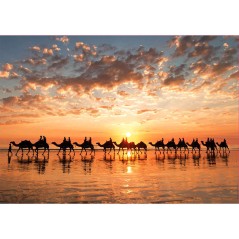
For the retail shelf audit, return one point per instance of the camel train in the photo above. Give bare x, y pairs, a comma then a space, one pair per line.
123, 146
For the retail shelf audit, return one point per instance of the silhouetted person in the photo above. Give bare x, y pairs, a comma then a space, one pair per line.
44, 139
64, 140
162, 140
183, 140
179, 140
85, 140
208, 140
197, 140
110, 140
225, 141
10, 149
172, 140
193, 140
69, 140
40, 138
90, 140
122, 140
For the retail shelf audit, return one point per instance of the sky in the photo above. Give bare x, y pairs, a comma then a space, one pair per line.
105, 86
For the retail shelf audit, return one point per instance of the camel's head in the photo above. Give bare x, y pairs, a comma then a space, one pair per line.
12, 142
53, 142
150, 142
75, 143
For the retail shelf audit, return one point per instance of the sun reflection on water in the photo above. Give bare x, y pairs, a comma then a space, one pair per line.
129, 169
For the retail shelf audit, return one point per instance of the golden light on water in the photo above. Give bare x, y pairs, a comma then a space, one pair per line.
129, 169
129, 153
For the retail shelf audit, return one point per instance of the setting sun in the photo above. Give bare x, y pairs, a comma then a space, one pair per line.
128, 134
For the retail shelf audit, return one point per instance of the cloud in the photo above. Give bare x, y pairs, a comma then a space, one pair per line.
24, 70
48, 52
14, 122
177, 70
4, 74
78, 58
182, 44
59, 64
55, 47
234, 75
173, 81
7, 67
35, 48
123, 93
63, 39
145, 111
36, 62
202, 49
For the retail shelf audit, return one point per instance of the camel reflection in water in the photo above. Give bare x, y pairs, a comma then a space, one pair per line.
66, 160
41, 162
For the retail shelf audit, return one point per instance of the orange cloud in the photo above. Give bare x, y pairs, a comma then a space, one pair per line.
35, 48
4, 74
63, 39
47, 51
7, 67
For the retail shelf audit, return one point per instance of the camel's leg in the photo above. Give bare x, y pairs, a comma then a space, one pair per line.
81, 150
85, 151
22, 151
17, 151
59, 151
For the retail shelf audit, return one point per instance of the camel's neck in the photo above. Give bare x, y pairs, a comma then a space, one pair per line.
118, 145
15, 144
152, 144
100, 144
56, 144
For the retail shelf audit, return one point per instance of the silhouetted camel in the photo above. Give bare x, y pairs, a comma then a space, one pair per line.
107, 145
194, 145
210, 145
25, 144
123, 145
63, 146
182, 144
85, 145
223, 145
141, 145
41, 144
171, 144
157, 145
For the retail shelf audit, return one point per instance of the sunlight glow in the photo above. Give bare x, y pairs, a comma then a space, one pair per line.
129, 169
129, 153
128, 134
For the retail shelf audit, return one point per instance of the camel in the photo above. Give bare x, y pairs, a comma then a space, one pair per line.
85, 145
25, 144
157, 145
182, 144
121, 145
194, 145
125, 144
107, 144
141, 145
223, 145
63, 146
171, 144
210, 145
41, 144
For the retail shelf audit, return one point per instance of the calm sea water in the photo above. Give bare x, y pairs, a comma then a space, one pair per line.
143, 178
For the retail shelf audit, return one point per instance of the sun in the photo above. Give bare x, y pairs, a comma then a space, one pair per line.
128, 134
